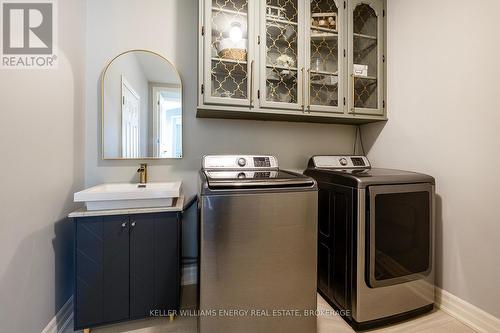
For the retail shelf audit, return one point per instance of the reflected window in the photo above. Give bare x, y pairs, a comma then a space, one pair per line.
168, 122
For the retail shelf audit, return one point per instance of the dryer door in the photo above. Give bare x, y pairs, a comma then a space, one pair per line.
400, 227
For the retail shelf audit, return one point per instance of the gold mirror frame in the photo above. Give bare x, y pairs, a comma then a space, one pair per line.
103, 78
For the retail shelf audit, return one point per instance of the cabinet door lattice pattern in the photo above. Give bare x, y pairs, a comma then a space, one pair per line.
281, 51
365, 52
229, 49
323, 76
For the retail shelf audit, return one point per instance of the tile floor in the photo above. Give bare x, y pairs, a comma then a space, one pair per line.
434, 322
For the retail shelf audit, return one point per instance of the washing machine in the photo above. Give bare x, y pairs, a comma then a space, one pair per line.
375, 240
258, 235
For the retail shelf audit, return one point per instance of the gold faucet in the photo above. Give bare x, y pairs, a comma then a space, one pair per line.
143, 173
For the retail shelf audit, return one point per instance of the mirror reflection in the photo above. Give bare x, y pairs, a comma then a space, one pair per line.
142, 107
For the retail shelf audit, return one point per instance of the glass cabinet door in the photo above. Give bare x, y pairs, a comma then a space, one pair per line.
229, 59
324, 40
366, 57
281, 57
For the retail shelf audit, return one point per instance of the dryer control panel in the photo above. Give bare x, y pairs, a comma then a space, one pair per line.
341, 162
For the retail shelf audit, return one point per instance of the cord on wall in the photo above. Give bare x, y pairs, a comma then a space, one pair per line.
360, 135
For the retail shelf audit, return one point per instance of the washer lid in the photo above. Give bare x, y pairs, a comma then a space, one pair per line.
256, 179
362, 178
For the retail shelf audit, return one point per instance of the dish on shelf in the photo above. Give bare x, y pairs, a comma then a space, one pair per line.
281, 31
284, 74
285, 60
226, 94
324, 79
275, 12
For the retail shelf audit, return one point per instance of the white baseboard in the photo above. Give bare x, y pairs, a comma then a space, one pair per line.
189, 274
64, 316
62, 319
463, 311
472, 316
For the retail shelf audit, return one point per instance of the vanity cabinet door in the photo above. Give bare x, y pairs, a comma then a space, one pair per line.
229, 59
102, 267
366, 57
154, 264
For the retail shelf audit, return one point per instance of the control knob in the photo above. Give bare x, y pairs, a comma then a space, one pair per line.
343, 161
242, 162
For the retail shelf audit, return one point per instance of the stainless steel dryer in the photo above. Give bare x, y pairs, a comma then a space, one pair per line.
375, 240
258, 235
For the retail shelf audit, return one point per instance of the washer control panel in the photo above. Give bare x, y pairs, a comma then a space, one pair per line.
341, 162
243, 162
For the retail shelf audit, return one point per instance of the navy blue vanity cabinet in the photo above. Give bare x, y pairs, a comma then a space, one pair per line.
125, 267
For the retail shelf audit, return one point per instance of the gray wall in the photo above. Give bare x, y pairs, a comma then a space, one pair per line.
41, 149
444, 116
170, 28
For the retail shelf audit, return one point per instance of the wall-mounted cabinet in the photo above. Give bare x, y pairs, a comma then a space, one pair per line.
295, 60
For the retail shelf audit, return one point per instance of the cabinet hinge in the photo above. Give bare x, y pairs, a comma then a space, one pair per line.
344, 101
258, 39
383, 104
345, 4
203, 30
202, 89
383, 58
123, 100
344, 53
258, 94
383, 13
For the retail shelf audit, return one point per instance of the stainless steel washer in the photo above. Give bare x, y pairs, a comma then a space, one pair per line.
375, 240
258, 234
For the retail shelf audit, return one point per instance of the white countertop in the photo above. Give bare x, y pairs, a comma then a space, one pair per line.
177, 207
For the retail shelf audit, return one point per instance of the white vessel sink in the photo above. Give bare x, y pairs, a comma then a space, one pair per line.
126, 195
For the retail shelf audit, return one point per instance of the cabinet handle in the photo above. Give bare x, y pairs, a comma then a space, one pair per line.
133, 224
124, 224
251, 82
309, 90
353, 92
303, 90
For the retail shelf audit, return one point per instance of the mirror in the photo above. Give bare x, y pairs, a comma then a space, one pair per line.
141, 107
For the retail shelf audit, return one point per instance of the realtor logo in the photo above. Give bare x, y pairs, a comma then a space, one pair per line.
28, 32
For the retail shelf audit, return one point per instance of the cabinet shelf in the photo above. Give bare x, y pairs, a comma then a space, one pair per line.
293, 69
323, 36
228, 11
364, 36
270, 19
230, 61
371, 78
324, 73
324, 31
324, 84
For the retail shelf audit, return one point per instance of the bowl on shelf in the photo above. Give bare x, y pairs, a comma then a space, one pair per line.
228, 49
285, 60
324, 20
